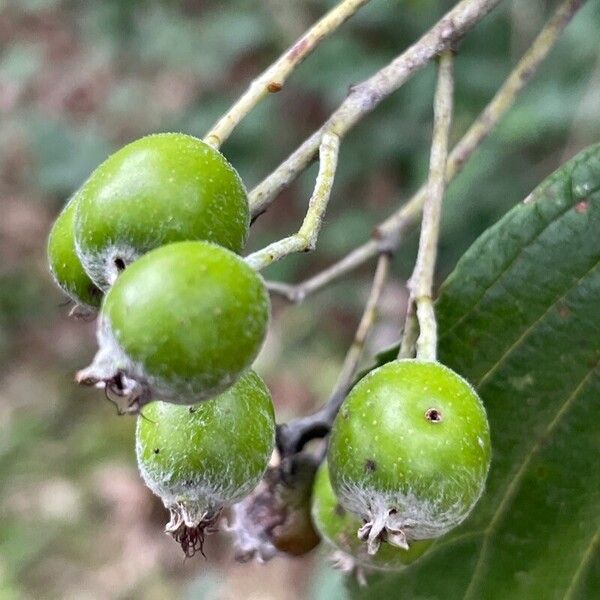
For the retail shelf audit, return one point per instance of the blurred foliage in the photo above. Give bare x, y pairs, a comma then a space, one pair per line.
79, 78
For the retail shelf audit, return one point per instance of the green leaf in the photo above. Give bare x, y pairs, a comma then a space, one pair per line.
520, 318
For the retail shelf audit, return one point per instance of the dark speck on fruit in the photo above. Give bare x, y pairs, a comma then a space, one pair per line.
370, 466
156, 450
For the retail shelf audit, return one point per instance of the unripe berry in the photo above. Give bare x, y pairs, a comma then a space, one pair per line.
156, 190
182, 324
338, 528
201, 458
65, 266
409, 452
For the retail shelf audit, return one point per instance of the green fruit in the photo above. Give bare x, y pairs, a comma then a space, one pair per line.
65, 265
182, 324
201, 458
159, 189
409, 452
338, 528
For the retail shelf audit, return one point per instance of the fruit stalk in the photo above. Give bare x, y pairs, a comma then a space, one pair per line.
420, 283
389, 234
273, 79
291, 437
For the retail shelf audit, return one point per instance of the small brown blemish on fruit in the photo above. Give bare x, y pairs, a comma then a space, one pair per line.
156, 450
370, 465
119, 263
274, 87
433, 415
582, 207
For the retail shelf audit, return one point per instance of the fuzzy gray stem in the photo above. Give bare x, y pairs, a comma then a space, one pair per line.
389, 234
365, 96
273, 79
306, 238
421, 281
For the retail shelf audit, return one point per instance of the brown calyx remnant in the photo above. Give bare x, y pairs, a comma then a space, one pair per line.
191, 536
118, 389
381, 529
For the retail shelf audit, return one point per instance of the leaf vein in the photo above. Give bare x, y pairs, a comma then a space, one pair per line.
533, 325
585, 560
505, 270
514, 484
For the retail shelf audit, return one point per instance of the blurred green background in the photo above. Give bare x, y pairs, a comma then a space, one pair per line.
80, 78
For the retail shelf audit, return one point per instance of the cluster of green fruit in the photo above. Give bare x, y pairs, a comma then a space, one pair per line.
150, 241
407, 460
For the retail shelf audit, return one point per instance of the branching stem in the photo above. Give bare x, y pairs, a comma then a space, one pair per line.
306, 238
273, 79
291, 437
364, 97
389, 234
